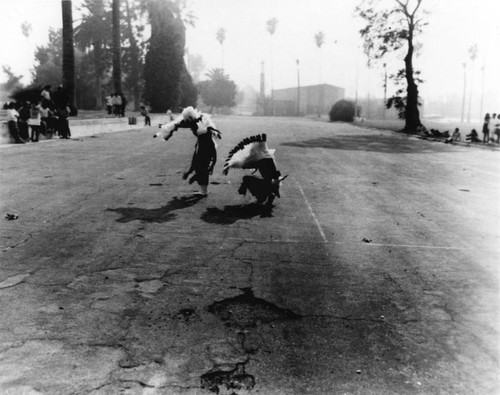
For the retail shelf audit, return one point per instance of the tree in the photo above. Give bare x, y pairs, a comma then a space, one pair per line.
188, 90
47, 69
68, 57
271, 29
343, 111
221, 37
94, 32
472, 56
319, 38
116, 47
195, 66
219, 91
26, 29
133, 56
388, 30
164, 64
13, 81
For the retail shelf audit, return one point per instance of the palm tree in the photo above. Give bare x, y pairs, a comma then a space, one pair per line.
134, 58
271, 29
473, 56
117, 70
319, 38
68, 62
221, 37
93, 32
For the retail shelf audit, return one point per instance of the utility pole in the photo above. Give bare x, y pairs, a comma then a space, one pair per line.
463, 94
262, 97
298, 88
357, 79
385, 89
482, 92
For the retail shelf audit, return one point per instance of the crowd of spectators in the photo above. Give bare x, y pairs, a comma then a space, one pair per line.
490, 129
47, 116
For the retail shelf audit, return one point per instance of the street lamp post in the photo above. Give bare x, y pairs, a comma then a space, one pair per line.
463, 94
385, 88
298, 88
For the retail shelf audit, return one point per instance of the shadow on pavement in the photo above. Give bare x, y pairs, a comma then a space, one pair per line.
160, 214
376, 143
231, 214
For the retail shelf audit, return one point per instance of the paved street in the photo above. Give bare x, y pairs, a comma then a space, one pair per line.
376, 272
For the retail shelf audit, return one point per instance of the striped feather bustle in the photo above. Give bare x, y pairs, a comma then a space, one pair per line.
241, 145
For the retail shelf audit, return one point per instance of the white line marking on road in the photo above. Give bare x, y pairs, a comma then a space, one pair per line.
318, 225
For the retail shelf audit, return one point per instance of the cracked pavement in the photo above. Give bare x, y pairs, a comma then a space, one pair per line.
376, 272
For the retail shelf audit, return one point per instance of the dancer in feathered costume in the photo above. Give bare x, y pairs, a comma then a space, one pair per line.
253, 153
205, 152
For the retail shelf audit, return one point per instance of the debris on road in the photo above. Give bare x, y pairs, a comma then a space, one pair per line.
11, 217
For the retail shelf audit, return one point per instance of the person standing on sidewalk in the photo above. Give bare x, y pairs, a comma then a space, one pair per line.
486, 128
205, 152
145, 114
12, 118
491, 127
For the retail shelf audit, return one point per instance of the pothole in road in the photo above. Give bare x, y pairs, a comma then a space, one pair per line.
186, 315
248, 311
234, 381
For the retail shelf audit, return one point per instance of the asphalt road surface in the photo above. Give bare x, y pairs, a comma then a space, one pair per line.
375, 273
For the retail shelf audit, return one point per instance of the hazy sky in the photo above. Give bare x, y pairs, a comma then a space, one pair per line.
454, 25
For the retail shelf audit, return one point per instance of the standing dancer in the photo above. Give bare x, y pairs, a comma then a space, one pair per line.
205, 152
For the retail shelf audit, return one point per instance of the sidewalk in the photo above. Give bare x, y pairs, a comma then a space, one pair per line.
82, 126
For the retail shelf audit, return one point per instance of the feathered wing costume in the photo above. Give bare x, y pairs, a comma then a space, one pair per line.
253, 153
205, 154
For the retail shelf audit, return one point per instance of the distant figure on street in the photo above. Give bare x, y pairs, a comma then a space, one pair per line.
12, 117
491, 127
145, 114
117, 105
472, 137
496, 131
46, 119
109, 104
123, 105
22, 122
34, 123
46, 96
486, 128
62, 123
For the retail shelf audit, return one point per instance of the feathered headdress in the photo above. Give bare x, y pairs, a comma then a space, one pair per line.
248, 153
190, 114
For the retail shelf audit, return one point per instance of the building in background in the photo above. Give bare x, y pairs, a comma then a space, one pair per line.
312, 99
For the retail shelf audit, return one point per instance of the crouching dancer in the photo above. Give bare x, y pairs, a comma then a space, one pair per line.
253, 153
205, 152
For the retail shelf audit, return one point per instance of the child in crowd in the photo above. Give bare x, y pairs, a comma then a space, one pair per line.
145, 114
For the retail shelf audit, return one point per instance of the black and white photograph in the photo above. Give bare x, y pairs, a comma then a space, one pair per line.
250, 197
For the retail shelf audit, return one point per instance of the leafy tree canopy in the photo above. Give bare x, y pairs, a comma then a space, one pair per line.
390, 26
219, 91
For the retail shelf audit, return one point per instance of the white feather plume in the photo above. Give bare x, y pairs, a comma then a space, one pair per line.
190, 114
247, 153
166, 130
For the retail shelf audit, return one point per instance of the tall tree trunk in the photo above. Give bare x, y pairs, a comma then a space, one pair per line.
68, 58
98, 67
412, 116
117, 71
134, 59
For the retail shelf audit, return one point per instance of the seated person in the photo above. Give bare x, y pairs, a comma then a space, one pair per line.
472, 137
454, 137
